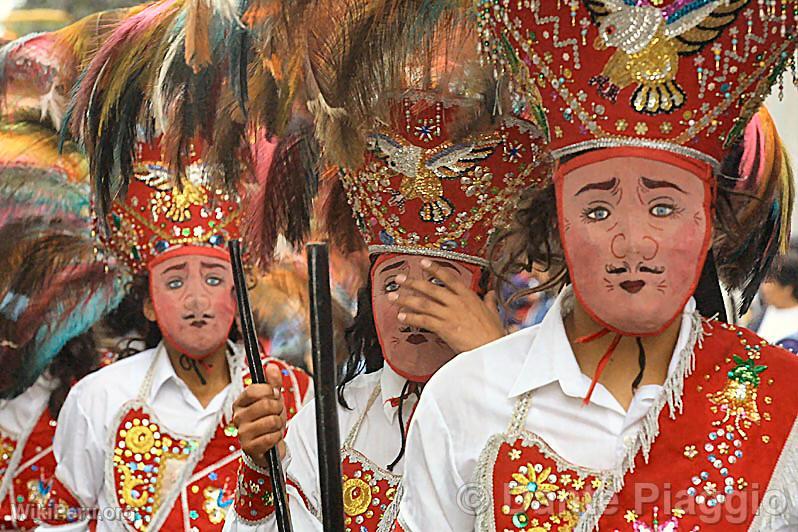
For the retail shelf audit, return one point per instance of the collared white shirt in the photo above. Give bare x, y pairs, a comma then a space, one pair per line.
378, 439
473, 397
19, 414
91, 412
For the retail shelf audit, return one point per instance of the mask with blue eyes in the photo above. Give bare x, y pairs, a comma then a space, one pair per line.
193, 300
635, 224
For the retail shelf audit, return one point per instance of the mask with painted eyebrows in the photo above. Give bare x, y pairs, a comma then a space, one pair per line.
635, 233
414, 353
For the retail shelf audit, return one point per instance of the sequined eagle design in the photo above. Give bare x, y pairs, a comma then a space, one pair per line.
649, 42
173, 201
423, 170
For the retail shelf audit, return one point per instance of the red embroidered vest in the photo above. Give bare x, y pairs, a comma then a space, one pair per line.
30, 494
369, 490
708, 468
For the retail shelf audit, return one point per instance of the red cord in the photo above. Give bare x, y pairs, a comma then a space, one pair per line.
602, 363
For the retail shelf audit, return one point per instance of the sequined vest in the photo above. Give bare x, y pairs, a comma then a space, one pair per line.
27, 465
369, 490
703, 459
161, 479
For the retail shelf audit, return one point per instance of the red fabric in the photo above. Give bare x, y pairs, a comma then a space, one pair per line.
679, 454
367, 494
155, 217
583, 87
37, 495
254, 500
418, 188
211, 491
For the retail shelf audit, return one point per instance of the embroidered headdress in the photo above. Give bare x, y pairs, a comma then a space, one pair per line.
677, 75
158, 216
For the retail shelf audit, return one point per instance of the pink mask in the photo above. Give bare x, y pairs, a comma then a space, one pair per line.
415, 354
635, 224
193, 297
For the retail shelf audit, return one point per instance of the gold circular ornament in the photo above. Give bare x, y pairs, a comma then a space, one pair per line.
139, 439
357, 496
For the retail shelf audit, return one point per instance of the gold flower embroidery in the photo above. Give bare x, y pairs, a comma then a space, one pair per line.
534, 487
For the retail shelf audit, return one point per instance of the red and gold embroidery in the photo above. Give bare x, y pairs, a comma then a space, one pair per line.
254, 500
736, 409
368, 492
145, 463
536, 495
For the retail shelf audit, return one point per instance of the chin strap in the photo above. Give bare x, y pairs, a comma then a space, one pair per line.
604, 359
641, 358
410, 388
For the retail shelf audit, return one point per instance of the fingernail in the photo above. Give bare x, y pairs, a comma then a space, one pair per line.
401, 278
402, 316
393, 296
426, 263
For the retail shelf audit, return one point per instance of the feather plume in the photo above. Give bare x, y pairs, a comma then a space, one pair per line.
759, 191
287, 177
54, 285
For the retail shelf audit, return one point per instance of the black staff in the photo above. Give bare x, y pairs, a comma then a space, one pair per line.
256, 372
324, 372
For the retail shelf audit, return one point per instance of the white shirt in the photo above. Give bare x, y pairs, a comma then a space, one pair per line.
91, 411
778, 323
18, 415
473, 397
378, 439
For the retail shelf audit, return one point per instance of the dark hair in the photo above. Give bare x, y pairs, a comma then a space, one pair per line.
77, 358
533, 240
128, 318
365, 353
785, 272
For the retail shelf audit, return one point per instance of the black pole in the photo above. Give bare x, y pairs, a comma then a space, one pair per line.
256, 372
324, 373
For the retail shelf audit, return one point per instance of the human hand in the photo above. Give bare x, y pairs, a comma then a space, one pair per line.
450, 309
259, 415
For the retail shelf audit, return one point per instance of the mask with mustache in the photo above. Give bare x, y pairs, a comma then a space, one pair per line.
635, 225
192, 298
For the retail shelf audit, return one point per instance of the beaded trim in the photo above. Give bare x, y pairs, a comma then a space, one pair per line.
613, 142
430, 252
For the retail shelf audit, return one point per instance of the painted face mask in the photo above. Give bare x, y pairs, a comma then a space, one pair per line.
415, 354
194, 303
635, 226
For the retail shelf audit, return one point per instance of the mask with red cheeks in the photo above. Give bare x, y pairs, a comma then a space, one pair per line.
415, 354
194, 303
635, 229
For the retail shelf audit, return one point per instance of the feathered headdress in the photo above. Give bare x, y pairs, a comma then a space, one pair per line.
162, 72
53, 287
37, 71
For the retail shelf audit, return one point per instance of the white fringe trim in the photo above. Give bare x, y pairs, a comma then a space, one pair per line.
649, 430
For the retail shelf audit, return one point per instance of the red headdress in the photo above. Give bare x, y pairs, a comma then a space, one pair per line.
683, 76
421, 191
158, 217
